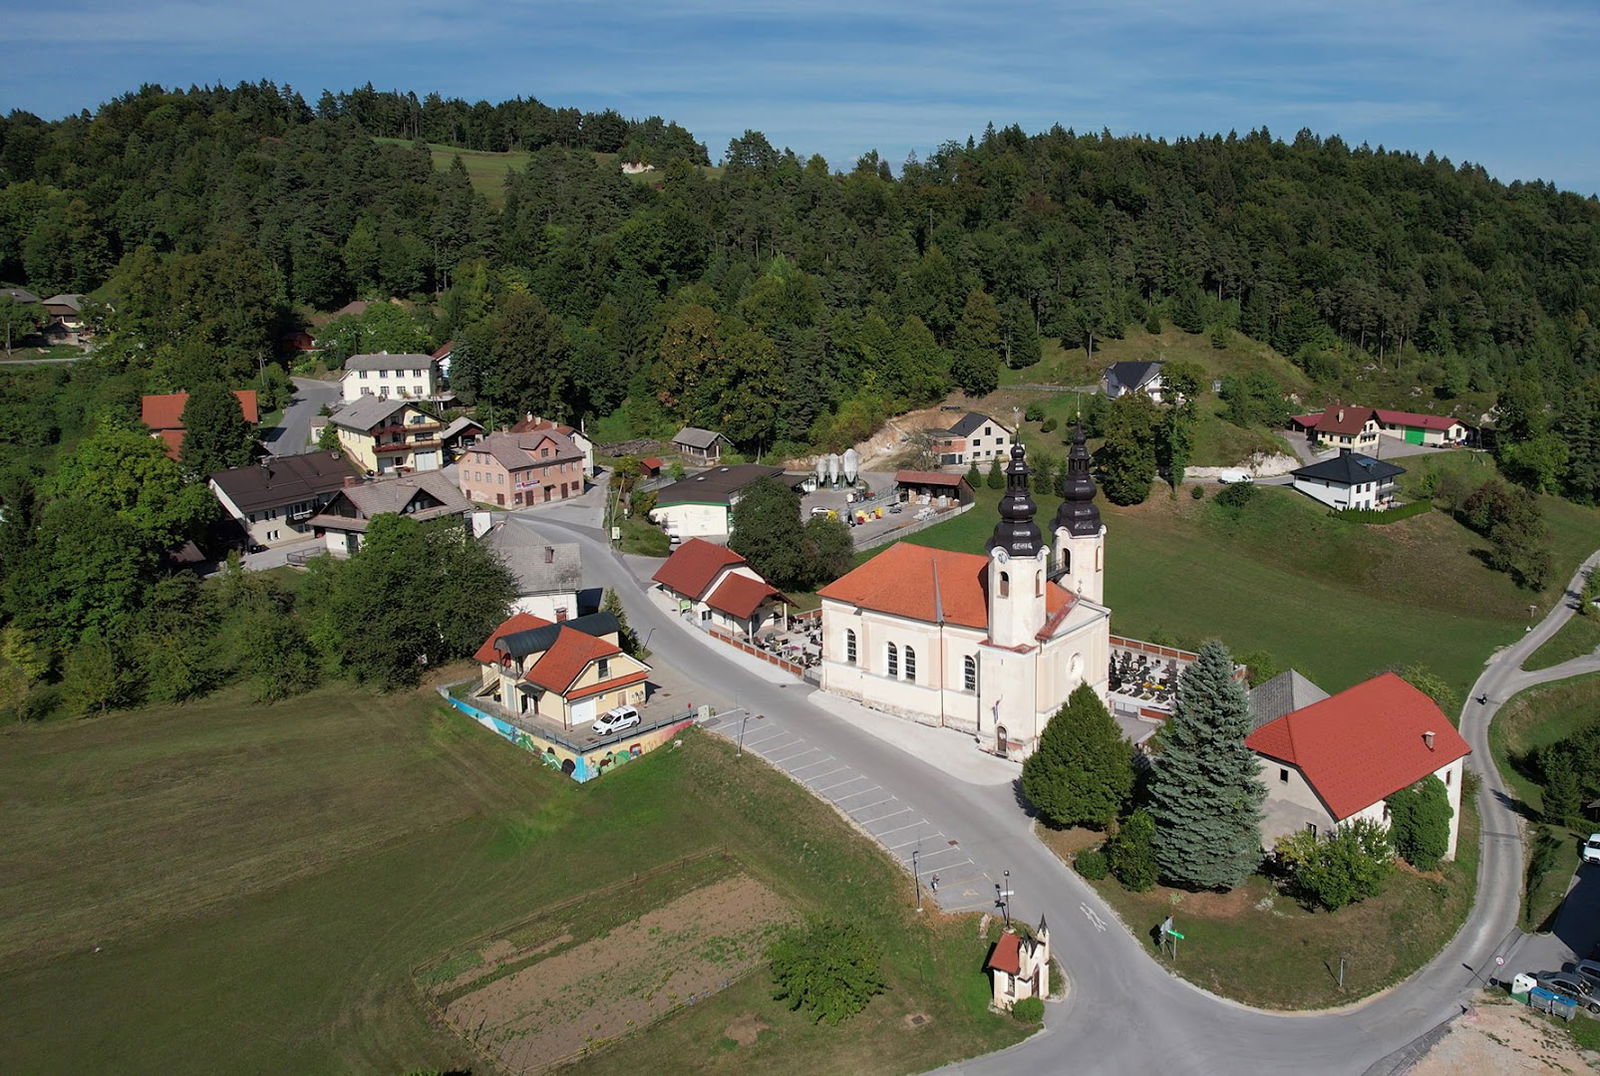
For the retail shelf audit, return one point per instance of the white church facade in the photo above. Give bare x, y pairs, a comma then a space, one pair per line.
991, 644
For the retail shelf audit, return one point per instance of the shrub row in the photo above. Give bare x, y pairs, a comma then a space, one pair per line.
1381, 516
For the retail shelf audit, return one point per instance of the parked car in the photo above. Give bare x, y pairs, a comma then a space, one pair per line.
1573, 986
616, 719
1234, 475
1589, 969
1591, 849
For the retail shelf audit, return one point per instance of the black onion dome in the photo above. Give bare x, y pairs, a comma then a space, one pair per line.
1078, 513
1016, 532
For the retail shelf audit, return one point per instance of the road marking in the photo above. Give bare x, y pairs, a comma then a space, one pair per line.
937, 852
751, 745
823, 776
855, 812
885, 818
897, 829
853, 795
1093, 917
822, 762
786, 759
821, 790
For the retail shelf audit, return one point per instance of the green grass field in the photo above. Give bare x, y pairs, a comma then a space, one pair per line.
1258, 946
226, 881
1577, 637
1338, 600
1532, 720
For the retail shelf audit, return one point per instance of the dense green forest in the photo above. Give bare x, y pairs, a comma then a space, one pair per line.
785, 303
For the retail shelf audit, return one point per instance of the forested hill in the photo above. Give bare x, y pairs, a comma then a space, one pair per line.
778, 295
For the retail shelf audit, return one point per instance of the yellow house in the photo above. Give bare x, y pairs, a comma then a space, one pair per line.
383, 435
569, 672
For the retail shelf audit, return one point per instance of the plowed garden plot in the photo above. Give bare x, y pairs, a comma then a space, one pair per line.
574, 997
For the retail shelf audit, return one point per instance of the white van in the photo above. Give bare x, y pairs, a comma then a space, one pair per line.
1229, 477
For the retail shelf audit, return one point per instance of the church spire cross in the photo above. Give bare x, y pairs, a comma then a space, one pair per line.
1016, 532
1078, 513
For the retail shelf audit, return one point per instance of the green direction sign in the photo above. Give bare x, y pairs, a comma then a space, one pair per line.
1173, 934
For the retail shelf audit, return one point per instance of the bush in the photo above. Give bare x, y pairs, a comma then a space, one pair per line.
1348, 865
1131, 854
1382, 516
1049, 425
1091, 863
828, 967
1034, 413
1197, 492
1419, 820
1236, 495
1028, 1011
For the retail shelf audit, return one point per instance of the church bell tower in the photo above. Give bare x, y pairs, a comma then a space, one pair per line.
1018, 563
1080, 537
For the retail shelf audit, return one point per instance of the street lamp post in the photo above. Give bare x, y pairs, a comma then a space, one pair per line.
916, 878
1005, 908
740, 752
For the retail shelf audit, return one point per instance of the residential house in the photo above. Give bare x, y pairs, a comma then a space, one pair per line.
460, 435
701, 504
20, 296
938, 488
1360, 427
66, 324
1283, 694
1122, 378
384, 435
549, 573
1021, 966
974, 438
569, 673
343, 520
699, 446
164, 415
405, 377
1337, 760
1355, 428
532, 423
1349, 480
715, 587
521, 469
442, 355
991, 644
275, 499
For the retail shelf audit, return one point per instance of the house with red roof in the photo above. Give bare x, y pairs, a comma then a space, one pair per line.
1358, 428
531, 423
568, 672
714, 587
1337, 760
989, 643
1020, 966
163, 413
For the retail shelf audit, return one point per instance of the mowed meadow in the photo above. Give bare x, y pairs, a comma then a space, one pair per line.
225, 885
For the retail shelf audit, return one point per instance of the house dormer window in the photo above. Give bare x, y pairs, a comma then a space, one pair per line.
602, 668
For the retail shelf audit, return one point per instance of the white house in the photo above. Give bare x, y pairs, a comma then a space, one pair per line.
989, 644
974, 437
1337, 760
410, 377
1349, 480
701, 504
1122, 378
714, 587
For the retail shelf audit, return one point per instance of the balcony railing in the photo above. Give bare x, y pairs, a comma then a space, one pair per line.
404, 446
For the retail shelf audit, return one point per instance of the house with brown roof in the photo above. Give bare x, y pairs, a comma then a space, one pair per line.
163, 413
569, 672
531, 423
344, 519
520, 470
1340, 425
938, 488
714, 587
66, 324
275, 499
699, 446
701, 505
989, 643
1338, 759
384, 435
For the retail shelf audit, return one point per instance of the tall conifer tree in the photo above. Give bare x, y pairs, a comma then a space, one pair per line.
1083, 770
1205, 788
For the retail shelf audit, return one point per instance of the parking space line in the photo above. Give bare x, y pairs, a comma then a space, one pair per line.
938, 852
897, 829
808, 765
824, 776
790, 758
847, 795
878, 835
855, 812
853, 795
755, 745
840, 784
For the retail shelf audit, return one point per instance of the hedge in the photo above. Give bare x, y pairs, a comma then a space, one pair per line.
1381, 516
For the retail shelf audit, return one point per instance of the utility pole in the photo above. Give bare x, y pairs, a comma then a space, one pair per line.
916, 878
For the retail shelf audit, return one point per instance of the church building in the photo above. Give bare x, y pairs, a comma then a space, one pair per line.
991, 644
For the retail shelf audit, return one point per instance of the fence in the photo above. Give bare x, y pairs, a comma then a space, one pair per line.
912, 528
791, 667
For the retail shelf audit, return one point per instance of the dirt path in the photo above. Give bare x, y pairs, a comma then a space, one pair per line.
1506, 1039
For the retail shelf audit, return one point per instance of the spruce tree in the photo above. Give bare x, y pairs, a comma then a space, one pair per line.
1205, 788
1082, 772
997, 478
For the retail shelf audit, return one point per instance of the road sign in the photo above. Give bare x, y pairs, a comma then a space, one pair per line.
1174, 934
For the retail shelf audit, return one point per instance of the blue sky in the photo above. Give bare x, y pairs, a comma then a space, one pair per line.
1509, 85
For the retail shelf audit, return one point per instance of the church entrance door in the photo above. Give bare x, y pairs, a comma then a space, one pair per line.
1000, 739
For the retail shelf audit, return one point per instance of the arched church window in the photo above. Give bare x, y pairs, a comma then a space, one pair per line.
1066, 560
1005, 584
1038, 584
894, 660
969, 673
911, 665
1075, 668
850, 646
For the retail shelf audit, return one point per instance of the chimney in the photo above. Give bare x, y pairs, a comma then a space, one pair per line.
350, 480
1427, 738
1341, 414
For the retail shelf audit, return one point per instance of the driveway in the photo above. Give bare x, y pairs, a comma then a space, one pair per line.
292, 435
926, 790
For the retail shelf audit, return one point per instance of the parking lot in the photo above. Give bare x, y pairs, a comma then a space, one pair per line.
882, 511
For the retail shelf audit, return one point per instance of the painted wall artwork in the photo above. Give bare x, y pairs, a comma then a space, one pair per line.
580, 766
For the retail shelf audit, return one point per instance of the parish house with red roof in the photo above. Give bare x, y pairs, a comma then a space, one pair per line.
991, 644
1338, 759
716, 588
569, 672
1358, 428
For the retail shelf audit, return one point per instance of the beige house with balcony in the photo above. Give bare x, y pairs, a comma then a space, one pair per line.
384, 435
570, 672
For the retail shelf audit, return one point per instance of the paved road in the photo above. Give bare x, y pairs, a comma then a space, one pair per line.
10, 361
292, 435
1125, 1012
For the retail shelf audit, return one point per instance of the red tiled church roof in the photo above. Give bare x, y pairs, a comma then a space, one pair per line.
693, 566
901, 581
1363, 744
